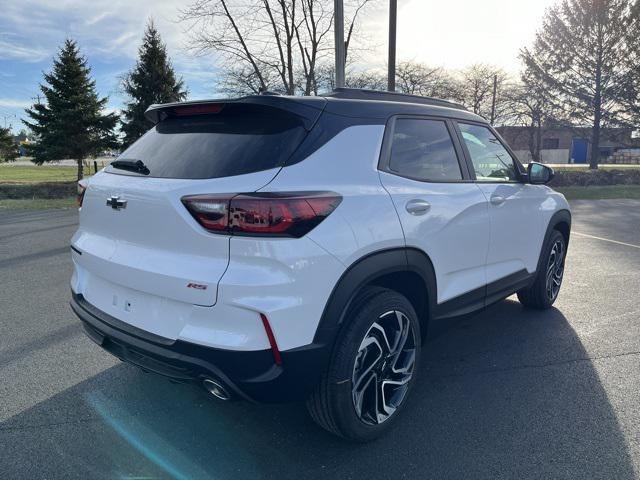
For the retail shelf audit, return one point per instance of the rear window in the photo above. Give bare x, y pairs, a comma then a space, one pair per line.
240, 139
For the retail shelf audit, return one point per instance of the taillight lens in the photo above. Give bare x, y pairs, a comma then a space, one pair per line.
82, 187
289, 214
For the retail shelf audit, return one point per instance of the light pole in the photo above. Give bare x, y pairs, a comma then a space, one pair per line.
5, 119
339, 40
393, 14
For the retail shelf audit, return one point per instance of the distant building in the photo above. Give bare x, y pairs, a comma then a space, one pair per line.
572, 144
22, 139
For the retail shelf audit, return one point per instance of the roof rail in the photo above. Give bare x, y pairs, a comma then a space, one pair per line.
364, 94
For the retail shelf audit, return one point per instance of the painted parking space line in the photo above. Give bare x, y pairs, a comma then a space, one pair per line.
605, 239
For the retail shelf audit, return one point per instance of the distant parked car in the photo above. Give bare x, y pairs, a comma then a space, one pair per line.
282, 248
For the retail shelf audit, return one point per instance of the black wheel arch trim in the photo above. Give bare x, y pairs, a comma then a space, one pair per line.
365, 271
561, 216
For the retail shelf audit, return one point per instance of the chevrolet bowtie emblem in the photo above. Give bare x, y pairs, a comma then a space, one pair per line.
116, 203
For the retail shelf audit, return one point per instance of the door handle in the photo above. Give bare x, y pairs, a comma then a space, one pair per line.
418, 207
497, 200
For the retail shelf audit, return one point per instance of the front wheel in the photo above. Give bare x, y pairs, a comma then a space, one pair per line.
544, 291
373, 367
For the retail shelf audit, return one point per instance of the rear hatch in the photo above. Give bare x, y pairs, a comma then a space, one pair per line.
142, 253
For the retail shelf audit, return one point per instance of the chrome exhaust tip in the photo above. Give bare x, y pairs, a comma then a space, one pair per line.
215, 389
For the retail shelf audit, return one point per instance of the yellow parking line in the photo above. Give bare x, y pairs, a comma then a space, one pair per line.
605, 239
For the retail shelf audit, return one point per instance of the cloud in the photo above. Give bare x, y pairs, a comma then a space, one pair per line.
110, 28
11, 49
97, 18
14, 103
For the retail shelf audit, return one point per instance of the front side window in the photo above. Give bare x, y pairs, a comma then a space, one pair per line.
423, 150
491, 161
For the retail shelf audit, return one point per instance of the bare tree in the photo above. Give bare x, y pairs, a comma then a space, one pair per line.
366, 79
419, 79
267, 44
477, 92
533, 109
311, 36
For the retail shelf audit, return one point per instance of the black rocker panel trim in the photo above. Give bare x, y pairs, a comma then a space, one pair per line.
461, 305
484, 296
508, 285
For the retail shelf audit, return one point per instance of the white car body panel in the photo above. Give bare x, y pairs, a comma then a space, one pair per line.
443, 233
147, 254
288, 280
517, 227
365, 221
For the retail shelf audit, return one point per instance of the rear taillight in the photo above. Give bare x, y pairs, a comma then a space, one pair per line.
82, 187
288, 214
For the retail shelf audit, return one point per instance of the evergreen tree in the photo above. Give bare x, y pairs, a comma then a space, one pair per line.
71, 123
8, 148
153, 80
581, 55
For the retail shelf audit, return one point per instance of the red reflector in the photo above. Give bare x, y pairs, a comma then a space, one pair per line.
272, 339
291, 214
200, 109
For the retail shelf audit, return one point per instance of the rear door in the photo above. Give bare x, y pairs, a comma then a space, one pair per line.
441, 210
515, 207
139, 255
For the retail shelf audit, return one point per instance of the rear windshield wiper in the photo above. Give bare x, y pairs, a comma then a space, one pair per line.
137, 166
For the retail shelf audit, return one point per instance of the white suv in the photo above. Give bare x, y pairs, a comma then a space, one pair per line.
293, 248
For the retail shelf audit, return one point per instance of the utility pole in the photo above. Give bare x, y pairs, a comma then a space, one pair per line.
339, 41
393, 21
5, 117
493, 101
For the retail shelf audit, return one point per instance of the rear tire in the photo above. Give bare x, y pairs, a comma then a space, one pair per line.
369, 379
546, 286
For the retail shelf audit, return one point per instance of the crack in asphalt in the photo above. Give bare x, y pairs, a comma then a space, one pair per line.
48, 425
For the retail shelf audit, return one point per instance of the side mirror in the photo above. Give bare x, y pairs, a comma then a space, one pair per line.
539, 174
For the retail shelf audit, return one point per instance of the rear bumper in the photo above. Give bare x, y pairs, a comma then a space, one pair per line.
251, 375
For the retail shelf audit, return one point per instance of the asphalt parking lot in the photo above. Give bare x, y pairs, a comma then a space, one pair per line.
505, 393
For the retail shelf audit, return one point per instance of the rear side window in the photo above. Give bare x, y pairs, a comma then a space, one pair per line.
239, 139
423, 150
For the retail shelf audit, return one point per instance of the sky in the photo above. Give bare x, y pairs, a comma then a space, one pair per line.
450, 33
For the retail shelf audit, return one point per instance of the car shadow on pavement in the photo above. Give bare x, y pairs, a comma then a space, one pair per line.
506, 393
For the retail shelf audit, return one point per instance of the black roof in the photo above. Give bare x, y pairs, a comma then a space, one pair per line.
380, 95
349, 102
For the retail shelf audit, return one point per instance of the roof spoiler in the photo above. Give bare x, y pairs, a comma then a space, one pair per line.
307, 108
